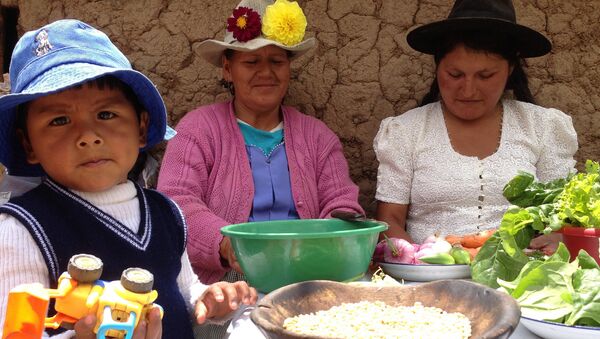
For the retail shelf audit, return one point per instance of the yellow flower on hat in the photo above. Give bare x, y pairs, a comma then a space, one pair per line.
284, 22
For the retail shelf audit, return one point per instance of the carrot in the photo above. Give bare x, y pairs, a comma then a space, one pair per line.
472, 251
473, 240
476, 239
453, 239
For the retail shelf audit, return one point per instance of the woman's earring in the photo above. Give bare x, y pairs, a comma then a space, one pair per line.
228, 85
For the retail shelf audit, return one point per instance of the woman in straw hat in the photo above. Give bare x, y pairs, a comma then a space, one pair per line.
443, 165
252, 158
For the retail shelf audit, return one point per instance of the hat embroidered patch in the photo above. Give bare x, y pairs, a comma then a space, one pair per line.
43, 44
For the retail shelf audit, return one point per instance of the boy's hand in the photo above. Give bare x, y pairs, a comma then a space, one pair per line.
84, 328
222, 297
150, 328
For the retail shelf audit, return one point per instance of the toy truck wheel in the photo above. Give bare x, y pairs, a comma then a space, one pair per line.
85, 268
137, 280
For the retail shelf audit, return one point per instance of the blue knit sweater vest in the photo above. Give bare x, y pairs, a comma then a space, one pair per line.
64, 224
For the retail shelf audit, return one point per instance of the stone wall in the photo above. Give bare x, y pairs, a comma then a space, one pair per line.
362, 70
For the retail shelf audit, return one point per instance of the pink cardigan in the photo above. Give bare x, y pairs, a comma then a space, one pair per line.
206, 170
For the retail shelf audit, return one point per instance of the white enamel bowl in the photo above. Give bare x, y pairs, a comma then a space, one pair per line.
426, 272
550, 330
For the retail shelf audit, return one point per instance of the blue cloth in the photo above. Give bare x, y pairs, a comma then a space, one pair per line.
273, 198
64, 224
264, 140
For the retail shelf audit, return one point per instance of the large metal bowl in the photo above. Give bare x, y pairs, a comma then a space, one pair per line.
492, 314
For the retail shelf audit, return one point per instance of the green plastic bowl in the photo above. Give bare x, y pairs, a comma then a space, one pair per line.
273, 254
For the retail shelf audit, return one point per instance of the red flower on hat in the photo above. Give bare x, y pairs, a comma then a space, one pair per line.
245, 24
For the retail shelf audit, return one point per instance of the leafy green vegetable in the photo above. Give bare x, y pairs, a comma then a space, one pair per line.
586, 299
539, 208
586, 261
524, 191
494, 261
544, 291
517, 185
536, 255
579, 203
562, 254
547, 288
556, 290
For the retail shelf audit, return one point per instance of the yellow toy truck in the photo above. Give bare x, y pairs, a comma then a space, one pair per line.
118, 305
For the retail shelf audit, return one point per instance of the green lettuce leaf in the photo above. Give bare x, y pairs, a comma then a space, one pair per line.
523, 191
493, 261
556, 290
517, 185
510, 286
562, 254
579, 202
545, 291
586, 298
586, 261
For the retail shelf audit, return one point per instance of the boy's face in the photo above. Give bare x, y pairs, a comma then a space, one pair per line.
86, 139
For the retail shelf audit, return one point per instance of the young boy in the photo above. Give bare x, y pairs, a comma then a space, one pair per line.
79, 115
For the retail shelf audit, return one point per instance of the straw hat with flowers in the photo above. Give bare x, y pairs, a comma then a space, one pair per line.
258, 23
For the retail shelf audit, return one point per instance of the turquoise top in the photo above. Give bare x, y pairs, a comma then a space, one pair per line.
264, 140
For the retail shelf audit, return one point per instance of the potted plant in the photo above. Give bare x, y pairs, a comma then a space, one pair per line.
578, 209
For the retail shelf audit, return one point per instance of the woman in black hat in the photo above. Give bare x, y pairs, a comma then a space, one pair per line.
443, 165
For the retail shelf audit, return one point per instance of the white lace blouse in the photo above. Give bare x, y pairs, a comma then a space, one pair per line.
459, 194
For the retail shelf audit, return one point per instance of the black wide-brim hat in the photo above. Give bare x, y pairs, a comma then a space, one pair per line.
484, 16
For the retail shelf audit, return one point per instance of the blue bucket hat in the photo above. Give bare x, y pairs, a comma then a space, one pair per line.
56, 57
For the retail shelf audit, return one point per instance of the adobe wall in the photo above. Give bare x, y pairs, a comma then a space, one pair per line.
362, 70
